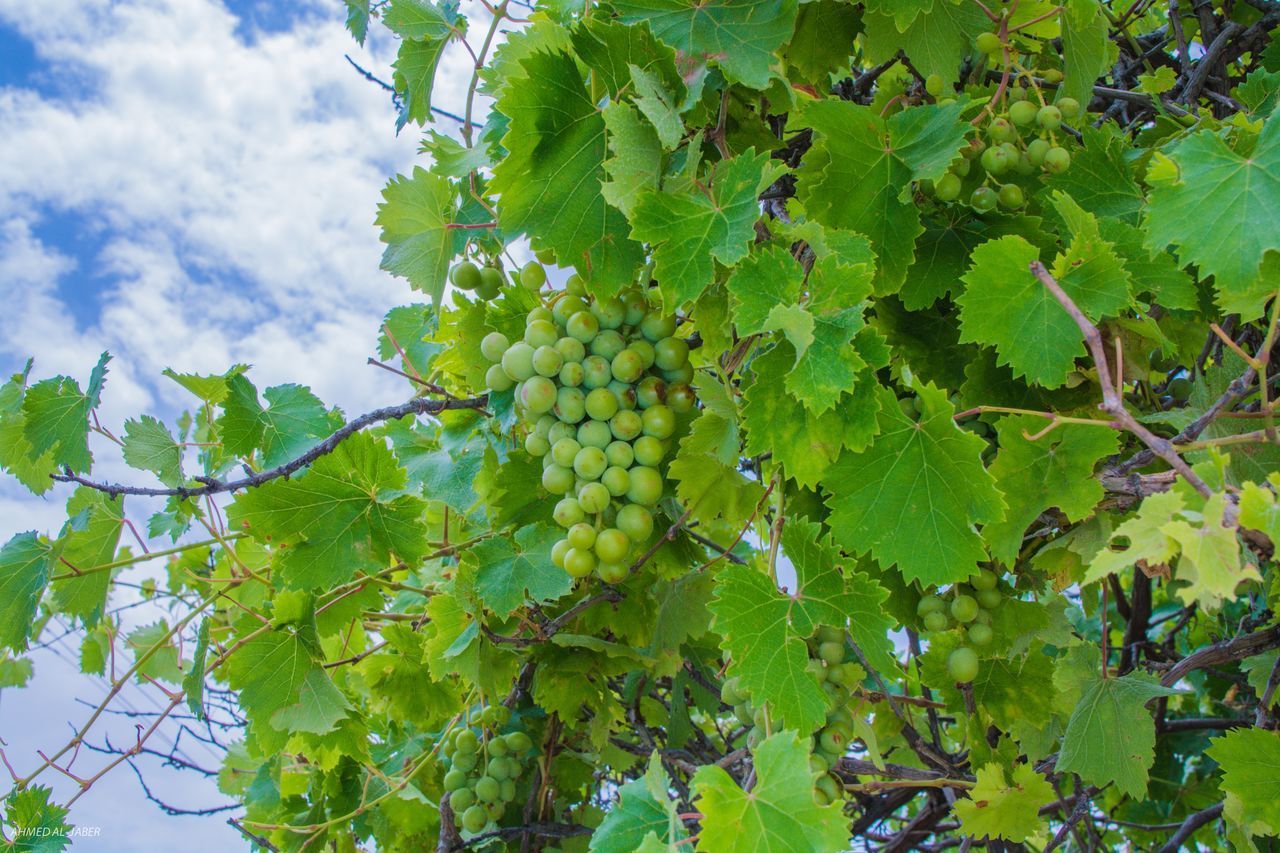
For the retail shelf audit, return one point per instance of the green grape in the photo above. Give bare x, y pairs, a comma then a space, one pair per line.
973, 149
568, 306
1017, 93
644, 349
508, 790
572, 375
496, 379
683, 373
646, 486
608, 344
980, 635
557, 479
650, 392
731, 692
581, 536
462, 799
637, 306
996, 160
656, 326
532, 275
964, 608
930, 604
1001, 131
619, 453
466, 741
497, 767
1010, 197
1036, 151
519, 742
989, 599
536, 445
988, 43
1052, 75
983, 200
984, 578
648, 450
612, 545
564, 451
635, 521
1057, 160
571, 349
616, 480
561, 430
590, 463
829, 634
540, 333
560, 549
487, 789
539, 395
547, 361
597, 372
1023, 113
495, 810
829, 788
545, 256
833, 741
542, 313
594, 497
1049, 117
933, 84
595, 434
670, 354
494, 345
576, 285
1024, 166
947, 188
543, 426
624, 393
961, 168
613, 573
831, 652
1179, 389
465, 276
583, 327
454, 780
517, 361
601, 404
611, 313
1069, 107
465, 761
659, 421
579, 563
571, 405
474, 819
627, 366
491, 282
962, 664
681, 397
935, 622
626, 425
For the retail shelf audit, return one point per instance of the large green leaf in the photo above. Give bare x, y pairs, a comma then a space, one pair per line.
26, 564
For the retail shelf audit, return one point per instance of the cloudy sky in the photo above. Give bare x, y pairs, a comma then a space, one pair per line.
185, 183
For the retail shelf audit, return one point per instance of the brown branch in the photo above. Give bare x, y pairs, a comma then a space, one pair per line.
1189, 826
1227, 651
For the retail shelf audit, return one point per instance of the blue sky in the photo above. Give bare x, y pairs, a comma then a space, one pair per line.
186, 183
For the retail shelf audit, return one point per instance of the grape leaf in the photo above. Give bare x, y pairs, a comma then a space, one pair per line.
550, 181
16, 454
26, 564
1087, 52
56, 417
936, 42
15, 672
1100, 178
1144, 535
89, 541
513, 571
610, 48
149, 445
765, 279
693, 228
319, 709
779, 813
657, 104
644, 809
636, 163
269, 671
997, 809
415, 215
347, 514
163, 661
1111, 736
1055, 470
1249, 758
822, 40
904, 12
40, 826
913, 496
740, 35
1201, 212
1210, 561
293, 422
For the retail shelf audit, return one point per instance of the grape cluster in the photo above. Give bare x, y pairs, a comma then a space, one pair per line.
968, 611
839, 678
598, 383
483, 767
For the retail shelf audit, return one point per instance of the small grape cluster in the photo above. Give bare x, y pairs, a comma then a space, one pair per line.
486, 281
483, 767
598, 383
839, 678
969, 611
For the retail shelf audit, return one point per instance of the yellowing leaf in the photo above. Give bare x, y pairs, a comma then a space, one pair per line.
997, 809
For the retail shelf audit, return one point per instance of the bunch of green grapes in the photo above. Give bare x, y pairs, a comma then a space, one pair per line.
486, 281
840, 677
968, 611
483, 768
598, 383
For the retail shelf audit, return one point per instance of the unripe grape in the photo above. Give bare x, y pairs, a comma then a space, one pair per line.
594, 434
474, 819
494, 345
646, 486
532, 275
947, 188
1017, 93
612, 545
650, 391
935, 622
987, 43
659, 421
1052, 75
1000, 130
540, 333
566, 306
964, 608
496, 379
579, 563
681, 397
962, 664
833, 741
610, 312
929, 604
670, 353
648, 450
571, 349
829, 634
540, 312
1010, 197
620, 454
462, 799
519, 742
508, 790
583, 327
454, 780
543, 426
539, 395
626, 425
616, 480
683, 373
1057, 160
601, 404
487, 789
996, 160
576, 285
627, 366
496, 809
581, 536
934, 85
517, 361
465, 276
1023, 113
557, 479
973, 149
545, 256
984, 579
989, 599
1023, 166
466, 761
961, 168
466, 741
497, 767
536, 445
980, 634
491, 281
612, 572
984, 199
564, 451
597, 372
624, 393
1069, 107
547, 360
594, 497
644, 349
571, 405
560, 549
608, 344
635, 521
590, 463
831, 653
572, 375
656, 326
1036, 151
1049, 117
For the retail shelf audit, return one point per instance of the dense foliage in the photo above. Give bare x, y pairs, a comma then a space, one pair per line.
880, 452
